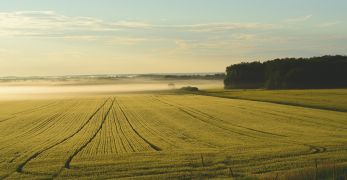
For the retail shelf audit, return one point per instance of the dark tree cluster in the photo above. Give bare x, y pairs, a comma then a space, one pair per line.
289, 73
190, 88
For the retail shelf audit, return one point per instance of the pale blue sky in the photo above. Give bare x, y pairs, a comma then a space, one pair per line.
180, 11
56, 37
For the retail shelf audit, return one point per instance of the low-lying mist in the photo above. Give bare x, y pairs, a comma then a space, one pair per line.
24, 90
80, 89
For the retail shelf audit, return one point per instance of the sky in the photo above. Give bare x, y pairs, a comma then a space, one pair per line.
74, 37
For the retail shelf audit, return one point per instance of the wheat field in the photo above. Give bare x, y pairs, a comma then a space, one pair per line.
150, 136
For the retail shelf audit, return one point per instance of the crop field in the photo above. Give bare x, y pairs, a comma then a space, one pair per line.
330, 99
152, 135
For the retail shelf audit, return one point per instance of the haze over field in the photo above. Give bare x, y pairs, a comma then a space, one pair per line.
48, 88
24, 87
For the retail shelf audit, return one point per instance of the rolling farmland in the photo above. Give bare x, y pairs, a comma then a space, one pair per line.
330, 99
164, 136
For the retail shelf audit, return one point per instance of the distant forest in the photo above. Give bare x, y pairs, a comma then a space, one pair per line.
217, 76
289, 73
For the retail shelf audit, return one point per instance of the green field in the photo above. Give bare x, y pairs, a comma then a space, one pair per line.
153, 135
330, 99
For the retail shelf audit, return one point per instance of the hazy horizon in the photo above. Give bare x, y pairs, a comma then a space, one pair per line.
56, 38
108, 75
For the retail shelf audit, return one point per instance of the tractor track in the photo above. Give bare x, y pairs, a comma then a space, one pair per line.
7, 119
121, 132
20, 167
312, 148
68, 161
14, 115
203, 120
136, 132
281, 113
150, 129
315, 149
190, 111
194, 110
41, 126
36, 108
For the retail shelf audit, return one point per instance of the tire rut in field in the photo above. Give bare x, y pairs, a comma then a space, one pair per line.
194, 110
14, 115
20, 167
40, 125
37, 128
24, 136
312, 148
121, 132
203, 120
317, 149
284, 114
173, 132
7, 119
68, 161
153, 130
156, 148
303, 118
36, 108
114, 130
236, 125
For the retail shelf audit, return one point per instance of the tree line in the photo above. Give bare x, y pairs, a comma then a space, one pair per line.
216, 76
289, 73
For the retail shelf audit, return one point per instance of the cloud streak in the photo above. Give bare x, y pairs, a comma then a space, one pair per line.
299, 19
217, 27
328, 24
49, 23
52, 24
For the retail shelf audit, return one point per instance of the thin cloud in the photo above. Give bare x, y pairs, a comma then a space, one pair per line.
215, 27
52, 24
328, 24
299, 19
126, 40
232, 42
46, 23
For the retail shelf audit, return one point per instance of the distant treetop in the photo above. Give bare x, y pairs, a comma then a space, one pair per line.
289, 73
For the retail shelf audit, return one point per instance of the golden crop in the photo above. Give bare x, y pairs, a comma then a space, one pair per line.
164, 136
